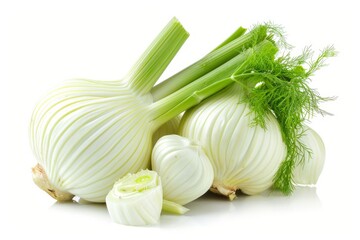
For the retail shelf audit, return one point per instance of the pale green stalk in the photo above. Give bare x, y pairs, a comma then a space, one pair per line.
174, 208
231, 47
193, 93
157, 57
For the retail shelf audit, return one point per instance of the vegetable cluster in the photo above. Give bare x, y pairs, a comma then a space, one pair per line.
232, 121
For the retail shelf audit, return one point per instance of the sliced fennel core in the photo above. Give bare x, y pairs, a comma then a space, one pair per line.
136, 199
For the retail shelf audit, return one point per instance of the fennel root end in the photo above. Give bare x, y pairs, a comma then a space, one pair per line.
222, 190
41, 179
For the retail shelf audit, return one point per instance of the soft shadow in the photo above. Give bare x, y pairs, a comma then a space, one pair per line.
208, 204
304, 199
270, 202
304, 196
80, 206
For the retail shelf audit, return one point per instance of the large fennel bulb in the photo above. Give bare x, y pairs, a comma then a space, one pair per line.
81, 132
86, 134
243, 157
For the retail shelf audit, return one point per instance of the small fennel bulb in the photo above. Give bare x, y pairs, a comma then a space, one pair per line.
184, 168
136, 199
308, 171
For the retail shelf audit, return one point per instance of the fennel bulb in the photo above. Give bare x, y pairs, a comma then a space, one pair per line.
242, 157
184, 167
308, 171
86, 134
136, 199
81, 133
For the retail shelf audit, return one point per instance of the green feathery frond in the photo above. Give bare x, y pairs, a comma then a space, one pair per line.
280, 86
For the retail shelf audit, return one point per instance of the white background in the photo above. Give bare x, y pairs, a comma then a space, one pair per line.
43, 42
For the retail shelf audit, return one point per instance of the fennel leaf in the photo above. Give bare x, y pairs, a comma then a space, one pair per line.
280, 86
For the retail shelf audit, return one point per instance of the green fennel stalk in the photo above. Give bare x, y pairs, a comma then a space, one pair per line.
231, 47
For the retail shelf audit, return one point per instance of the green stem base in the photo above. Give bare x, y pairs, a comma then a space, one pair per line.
172, 207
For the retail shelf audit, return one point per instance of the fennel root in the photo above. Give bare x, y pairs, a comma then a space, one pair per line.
42, 181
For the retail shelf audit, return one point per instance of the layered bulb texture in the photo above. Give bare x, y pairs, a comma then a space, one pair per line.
308, 172
80, 134
136, 199
244, 157
184, 167
86, 134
